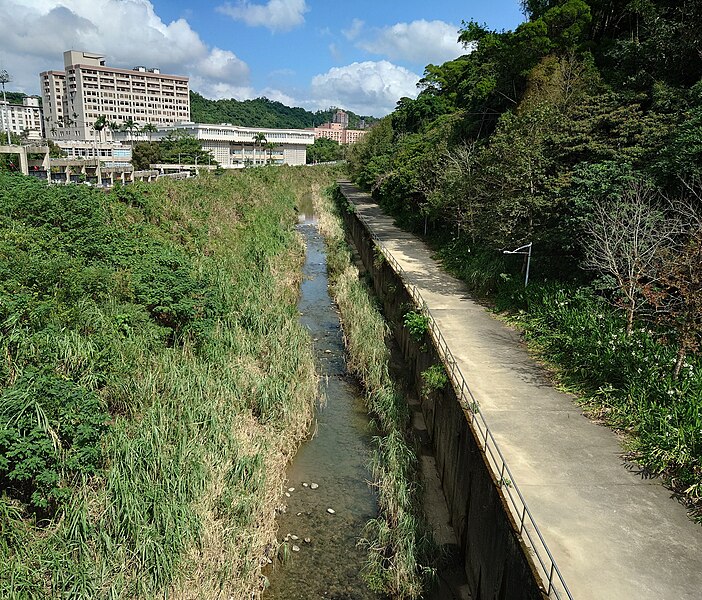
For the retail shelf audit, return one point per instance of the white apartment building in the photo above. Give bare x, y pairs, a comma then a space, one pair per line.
233, 146
22, 119
73, 99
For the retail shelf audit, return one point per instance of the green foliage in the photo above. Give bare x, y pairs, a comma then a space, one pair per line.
627, 380
50, 431
400, 550
9, 163
417, 324
155, 379
525, 137
180, 147
145, 154
434, 379
324, 150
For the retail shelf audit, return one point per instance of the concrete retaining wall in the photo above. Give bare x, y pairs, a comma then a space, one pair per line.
497, 563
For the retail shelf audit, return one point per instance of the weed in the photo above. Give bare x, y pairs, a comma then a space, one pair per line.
434, 379
417, 324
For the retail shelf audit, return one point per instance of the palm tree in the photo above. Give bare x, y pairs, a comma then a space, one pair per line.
149, 128
114, 127
270, 146
99, 125
259, 138
130, 125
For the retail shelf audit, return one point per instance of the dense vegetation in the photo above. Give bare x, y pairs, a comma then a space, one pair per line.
176, 148
262, 112
400, 549
154, 383
325, 150
578, 132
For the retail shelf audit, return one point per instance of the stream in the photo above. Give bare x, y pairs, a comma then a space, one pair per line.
321, 558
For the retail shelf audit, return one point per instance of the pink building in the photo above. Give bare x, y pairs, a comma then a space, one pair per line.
338, 131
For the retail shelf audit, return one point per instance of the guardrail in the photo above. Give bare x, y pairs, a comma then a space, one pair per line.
552, 578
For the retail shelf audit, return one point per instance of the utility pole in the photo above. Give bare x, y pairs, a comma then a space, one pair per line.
5, 78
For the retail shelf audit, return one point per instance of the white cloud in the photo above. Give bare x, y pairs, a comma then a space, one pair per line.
224, 65
420, 42
276, 15
354, 31
126, 32
367, 88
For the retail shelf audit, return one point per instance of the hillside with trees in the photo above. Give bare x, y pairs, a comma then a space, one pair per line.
580, 133
262, 112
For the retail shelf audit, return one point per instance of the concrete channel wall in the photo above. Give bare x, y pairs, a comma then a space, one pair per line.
497, 562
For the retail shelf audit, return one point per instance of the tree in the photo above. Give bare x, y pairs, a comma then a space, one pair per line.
258, 138
676, 294
99, 125
130, 125
145, 154
149, 128
626, 240
178, 144
324, 150
114, 127
270, 146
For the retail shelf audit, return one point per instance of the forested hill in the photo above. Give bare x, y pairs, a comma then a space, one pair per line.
262, 112
578, 133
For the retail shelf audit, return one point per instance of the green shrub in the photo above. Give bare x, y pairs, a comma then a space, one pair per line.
50, 432
417, 324
434, 379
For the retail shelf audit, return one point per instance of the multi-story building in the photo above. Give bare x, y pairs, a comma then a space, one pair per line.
236, 147
87, 89
339, 133
333, 131
23, 119
342, 118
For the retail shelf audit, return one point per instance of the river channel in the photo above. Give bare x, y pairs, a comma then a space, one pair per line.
321, 558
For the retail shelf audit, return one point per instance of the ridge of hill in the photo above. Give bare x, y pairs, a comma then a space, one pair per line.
262, 112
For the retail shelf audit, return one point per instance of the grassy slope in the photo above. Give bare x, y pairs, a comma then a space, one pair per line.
209, 386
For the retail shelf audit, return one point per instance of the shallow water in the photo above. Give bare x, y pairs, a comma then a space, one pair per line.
335, 459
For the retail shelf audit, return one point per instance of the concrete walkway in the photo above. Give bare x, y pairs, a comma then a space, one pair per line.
614, 533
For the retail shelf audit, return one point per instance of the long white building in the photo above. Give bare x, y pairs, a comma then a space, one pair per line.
73, 99
234, 147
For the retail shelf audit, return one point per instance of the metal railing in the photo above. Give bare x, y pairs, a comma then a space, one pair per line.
552, 578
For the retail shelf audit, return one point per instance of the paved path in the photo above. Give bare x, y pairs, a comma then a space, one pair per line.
613, 533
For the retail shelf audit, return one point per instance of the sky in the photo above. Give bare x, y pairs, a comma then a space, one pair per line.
361, 56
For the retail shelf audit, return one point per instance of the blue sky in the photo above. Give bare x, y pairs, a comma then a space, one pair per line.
362, 56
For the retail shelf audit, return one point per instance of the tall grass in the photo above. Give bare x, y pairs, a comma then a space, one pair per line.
205, 375
399, 547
